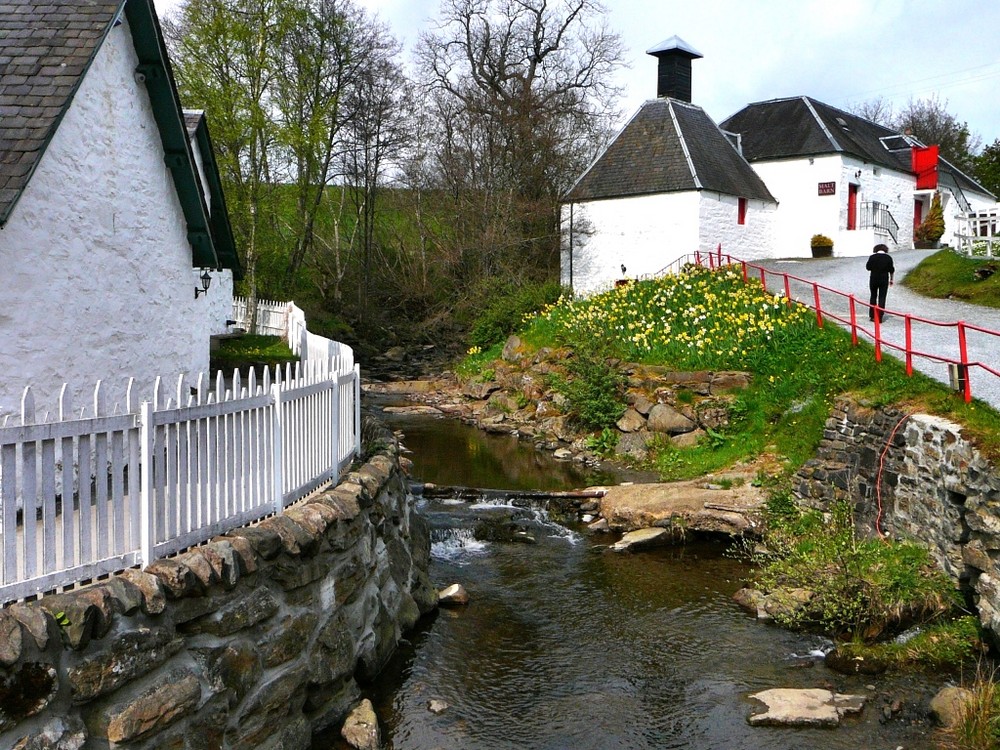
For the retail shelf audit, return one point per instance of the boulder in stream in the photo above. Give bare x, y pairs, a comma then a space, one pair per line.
810, 707
455, 594
361, 729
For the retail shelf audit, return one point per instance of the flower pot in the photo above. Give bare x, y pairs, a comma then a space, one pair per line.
926, 245
822, 251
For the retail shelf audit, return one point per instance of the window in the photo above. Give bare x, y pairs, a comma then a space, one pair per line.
741, 211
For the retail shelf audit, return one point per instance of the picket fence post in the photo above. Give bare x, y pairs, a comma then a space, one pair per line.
357, 410
276, 445
146, 447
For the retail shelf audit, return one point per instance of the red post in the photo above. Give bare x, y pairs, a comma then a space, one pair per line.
878, 336
744, 264
788, 291
711, 261
819, 309
763, 279
854, 321
697, 257
963, 357
908, 327
719, 251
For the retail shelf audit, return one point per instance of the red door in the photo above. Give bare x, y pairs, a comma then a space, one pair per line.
852, 206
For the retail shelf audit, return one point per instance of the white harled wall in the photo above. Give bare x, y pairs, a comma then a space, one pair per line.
643, 233
719, 225
95, 262
648, 233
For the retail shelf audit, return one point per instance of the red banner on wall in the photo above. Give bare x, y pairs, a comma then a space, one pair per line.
925, 166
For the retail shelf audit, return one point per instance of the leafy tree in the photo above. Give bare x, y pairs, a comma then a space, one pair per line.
281, 81
987, 168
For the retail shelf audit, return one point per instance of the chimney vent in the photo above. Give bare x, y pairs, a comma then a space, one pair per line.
674, 73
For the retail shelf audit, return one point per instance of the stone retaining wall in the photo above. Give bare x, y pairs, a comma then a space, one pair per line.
254, 640
915, 476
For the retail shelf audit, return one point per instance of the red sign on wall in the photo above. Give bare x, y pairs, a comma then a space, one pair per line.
828, 188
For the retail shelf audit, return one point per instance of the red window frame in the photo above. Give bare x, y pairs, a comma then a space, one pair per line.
741, 211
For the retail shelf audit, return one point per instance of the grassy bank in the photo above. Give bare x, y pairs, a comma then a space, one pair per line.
948, 275
714, 321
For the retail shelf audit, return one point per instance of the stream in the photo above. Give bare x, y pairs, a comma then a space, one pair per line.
566, 645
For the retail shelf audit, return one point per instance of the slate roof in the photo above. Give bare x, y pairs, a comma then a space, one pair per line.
668, 146
802, 126
45, 48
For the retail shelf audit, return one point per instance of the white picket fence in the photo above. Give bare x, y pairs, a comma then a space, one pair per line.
978, 233
272, 316
89, 494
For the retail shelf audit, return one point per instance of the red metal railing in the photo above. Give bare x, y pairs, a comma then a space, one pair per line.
833, 304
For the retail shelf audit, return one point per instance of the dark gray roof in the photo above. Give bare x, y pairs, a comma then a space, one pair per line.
802, 126
669, 146
45, 48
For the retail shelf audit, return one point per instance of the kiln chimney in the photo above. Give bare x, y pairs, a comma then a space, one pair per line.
673, 77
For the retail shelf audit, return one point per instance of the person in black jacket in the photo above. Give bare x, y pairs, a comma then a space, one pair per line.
881, 271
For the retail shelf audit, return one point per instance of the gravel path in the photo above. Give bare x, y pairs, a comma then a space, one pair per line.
848, 275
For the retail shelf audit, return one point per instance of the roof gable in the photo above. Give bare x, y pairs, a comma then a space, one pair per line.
46, 47
669, 146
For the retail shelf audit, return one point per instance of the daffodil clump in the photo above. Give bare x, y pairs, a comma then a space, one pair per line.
700, 318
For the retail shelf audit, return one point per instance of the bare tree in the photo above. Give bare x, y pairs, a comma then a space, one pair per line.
930, 121
524, 92
878, 110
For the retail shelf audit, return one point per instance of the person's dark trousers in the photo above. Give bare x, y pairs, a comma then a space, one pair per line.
879, 288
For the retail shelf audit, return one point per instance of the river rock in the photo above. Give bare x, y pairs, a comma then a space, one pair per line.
950, 704
429, 411
810, 707
599, 526
513, 349
631, 421
455, 594
663, 418
847, 663
688, 439
641, 539
361, 729
436, 706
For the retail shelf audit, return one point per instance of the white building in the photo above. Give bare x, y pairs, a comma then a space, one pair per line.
774, 174
111, 209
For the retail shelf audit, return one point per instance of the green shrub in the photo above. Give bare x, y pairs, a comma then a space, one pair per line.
862, 589
503, 306
594, 390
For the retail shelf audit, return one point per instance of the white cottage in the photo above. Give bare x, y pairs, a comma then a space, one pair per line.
670, 182
761, 185
111, 210
838, 174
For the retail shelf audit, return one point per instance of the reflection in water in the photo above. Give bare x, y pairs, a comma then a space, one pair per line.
565, 645
448, 452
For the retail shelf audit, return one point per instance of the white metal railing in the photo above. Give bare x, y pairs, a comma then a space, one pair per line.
978, 233
87, 495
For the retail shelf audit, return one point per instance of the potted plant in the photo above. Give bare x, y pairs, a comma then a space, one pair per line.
822, 246
928, 234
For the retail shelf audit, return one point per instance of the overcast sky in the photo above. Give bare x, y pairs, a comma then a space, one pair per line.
838, 51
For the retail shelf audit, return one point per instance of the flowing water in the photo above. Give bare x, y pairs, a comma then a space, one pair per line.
566, 645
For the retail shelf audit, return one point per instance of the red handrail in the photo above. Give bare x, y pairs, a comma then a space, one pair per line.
717, 260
